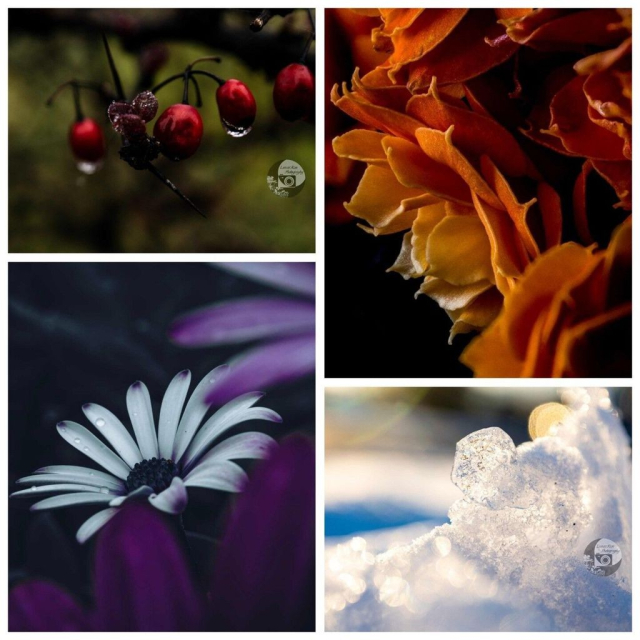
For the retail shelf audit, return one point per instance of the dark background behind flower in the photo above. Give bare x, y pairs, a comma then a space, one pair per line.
82, 333
55, 208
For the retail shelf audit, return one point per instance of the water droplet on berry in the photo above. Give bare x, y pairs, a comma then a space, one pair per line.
234, 131
100, 422
88, 168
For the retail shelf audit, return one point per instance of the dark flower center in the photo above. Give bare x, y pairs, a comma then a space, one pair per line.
156, 473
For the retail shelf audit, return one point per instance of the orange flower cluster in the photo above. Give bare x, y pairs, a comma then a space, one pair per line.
475, 122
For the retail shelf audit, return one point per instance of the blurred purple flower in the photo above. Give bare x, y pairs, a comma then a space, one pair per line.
285, 326
262, 579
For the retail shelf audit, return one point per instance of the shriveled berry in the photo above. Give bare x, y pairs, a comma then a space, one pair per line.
117, 109
130, 125
294, 92
237, 107
145, 105
87, 140
179, 130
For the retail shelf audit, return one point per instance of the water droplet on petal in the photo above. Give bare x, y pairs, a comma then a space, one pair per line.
33, 488
89, 168
91, 473
104, 490
100, 422
86, 449
235, 131
76, 440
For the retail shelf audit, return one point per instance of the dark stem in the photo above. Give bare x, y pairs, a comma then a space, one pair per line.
196, 86
76, 84
313, 24
219, 80
164, 83
185, 91
173, 187
114, 71
76, 102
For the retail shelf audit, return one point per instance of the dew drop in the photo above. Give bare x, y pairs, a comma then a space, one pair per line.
33, 488
100, 422
235, 131
88, 168
91, 473
104, 490
86, 449
77, 440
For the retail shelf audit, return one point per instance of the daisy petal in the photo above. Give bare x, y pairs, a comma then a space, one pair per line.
94, 523
84, 441
232, 413
141, 415
242, 320
274, 363
73, 474
57, 488
71, 499
170, 411
224, 476
140, 492
299, 277
172, 500
195, 410
114, 432
244, 446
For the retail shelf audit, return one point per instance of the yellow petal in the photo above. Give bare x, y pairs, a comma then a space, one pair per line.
458, 251
362, 145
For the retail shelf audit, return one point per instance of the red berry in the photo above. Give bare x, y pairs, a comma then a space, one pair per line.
86, 140
237, 107
145, 105
293, 92
179, 131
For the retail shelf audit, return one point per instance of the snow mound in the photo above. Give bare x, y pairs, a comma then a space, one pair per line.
512, 557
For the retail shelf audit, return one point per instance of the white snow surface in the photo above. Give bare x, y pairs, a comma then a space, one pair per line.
511, 558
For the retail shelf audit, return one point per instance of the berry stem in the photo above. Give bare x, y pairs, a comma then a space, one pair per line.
114, 71
312, 37
205, 59
196, 86
219, 80
185, 91
173, 187
76, 84
76, 102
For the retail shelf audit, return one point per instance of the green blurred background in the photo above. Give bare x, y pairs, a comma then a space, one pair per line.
55, 208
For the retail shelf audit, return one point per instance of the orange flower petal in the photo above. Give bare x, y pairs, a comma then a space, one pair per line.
591, 346
371, 115
362, 145
473, 133
550, 30
383, 202
579, 134
490, 356
508, 254
439, 146
580, 204
464, 54
426, 32
458, 251
452, 297
414, 169
425, 222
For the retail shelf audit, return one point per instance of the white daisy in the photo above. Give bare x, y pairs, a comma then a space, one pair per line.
156, 466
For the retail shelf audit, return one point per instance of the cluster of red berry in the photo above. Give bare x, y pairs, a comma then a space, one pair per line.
178, 130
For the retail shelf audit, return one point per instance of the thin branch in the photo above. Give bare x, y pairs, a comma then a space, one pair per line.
173, 187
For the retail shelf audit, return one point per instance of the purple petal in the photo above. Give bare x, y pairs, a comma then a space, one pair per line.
299, 277
264, 575
142, 581
243, 320
40, 606
265, 366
